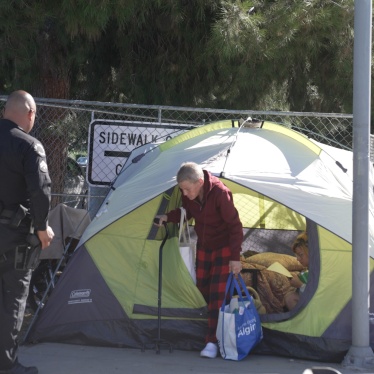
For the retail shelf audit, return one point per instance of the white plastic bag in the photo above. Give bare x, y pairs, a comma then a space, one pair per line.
187, 247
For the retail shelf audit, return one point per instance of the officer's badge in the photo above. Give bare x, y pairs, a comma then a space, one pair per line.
39, 149
43, 166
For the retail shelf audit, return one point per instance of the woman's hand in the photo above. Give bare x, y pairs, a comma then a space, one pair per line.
161, 220
235, 267
295, 281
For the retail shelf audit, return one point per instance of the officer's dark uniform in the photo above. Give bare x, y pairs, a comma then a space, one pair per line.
24, 182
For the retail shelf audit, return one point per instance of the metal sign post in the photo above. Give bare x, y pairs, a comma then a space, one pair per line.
360, 355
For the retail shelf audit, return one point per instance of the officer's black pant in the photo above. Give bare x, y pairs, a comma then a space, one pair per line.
14, 288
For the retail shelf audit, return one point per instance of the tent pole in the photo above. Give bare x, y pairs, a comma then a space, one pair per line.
360, 354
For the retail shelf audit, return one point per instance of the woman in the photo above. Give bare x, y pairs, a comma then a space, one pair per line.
220, 235
300, 248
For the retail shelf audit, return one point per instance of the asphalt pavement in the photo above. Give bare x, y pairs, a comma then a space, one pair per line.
56, 358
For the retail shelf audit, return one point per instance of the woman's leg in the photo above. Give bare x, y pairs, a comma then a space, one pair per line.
212, 270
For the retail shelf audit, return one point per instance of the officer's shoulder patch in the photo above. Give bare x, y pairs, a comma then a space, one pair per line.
43, 166
39, 149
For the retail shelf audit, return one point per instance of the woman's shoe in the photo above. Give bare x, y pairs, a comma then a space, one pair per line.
210, 351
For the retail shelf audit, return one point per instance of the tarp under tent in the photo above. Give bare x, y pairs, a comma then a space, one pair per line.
283, 183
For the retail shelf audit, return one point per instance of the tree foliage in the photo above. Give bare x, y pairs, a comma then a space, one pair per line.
249, 54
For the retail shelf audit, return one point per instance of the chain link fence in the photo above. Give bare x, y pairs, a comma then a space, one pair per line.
107, 132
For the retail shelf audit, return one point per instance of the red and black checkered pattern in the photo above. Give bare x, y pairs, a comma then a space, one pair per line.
212, 271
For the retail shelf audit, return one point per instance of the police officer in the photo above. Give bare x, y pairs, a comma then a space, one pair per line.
24, 206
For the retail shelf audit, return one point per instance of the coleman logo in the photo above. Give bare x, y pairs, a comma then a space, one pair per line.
77, 294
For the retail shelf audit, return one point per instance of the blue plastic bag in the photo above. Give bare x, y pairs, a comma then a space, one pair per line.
238, 332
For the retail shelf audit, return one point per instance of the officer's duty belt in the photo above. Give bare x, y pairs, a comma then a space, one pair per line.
5, 216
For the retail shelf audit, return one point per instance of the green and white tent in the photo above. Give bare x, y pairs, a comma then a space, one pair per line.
282, 183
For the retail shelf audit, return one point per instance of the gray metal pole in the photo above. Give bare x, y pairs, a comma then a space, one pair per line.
360, 355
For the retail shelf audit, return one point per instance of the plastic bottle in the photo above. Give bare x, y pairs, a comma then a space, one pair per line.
303, 276
234, 304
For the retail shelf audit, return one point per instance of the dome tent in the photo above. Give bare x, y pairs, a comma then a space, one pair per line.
282, 183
